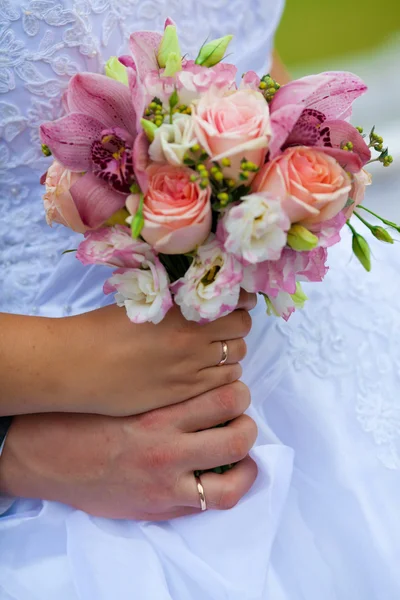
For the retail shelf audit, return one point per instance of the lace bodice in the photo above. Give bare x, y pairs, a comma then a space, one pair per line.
42, 44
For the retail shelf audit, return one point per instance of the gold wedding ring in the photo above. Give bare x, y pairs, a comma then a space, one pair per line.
200, 489
224, 354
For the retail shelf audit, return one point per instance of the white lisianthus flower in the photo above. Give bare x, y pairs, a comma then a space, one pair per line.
211, 286
173, 140
143, 291
256, 229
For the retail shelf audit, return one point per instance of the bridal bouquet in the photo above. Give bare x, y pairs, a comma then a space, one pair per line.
192, 186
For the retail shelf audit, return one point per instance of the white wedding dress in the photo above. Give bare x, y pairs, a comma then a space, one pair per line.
322, 520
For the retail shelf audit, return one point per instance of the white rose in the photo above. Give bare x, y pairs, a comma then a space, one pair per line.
173, 140
144, 291
256, 229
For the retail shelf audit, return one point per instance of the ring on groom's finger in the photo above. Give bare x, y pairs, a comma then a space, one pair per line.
200, 489
224, 357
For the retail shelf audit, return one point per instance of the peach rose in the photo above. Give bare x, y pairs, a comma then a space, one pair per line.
177, 213
312, 186
235, 126
58, 202
357, 192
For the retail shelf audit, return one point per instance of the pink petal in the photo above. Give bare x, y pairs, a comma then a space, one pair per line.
283, 121
139, 97
297, 92
349, 161
103, 98
250, 80
169, 21
70, 139
331, 93
342, 132
337, 95
144, 46
127, 61
95, 200
141, 160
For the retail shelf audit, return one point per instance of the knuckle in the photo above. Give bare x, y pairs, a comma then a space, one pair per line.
227, 399
153, 419
159, 457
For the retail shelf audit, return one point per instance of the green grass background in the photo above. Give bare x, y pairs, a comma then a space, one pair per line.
325, 29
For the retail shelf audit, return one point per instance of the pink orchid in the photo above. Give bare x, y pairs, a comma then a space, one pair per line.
96, 137
313, 111
113, 246
273, 277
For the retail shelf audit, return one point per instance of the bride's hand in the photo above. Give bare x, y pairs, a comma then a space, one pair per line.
101, 363
116, 368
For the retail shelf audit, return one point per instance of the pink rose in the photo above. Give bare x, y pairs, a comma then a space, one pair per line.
177, 213
357, 192
58, 202
235, 126
312, 186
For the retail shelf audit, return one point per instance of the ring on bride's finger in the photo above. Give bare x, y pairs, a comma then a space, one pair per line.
224, 354
200, 489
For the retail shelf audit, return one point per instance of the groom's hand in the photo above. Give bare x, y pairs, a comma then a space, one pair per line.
135, 467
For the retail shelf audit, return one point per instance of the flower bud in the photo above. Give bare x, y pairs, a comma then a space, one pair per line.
149, 128
118, 218
301, 239
361, 250
116, 70
382, 234
299, 298
169, 45
213, 52
173, 65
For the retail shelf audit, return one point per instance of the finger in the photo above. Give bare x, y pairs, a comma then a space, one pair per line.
222, 491
237, 350
215, 377
222, 446
182, 511
235, 325
213, 408
247, 301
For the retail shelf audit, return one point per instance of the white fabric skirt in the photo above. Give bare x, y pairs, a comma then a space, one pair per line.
322, 520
